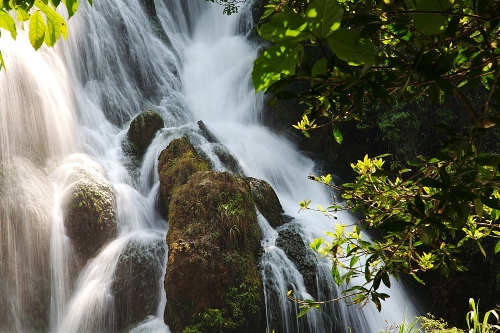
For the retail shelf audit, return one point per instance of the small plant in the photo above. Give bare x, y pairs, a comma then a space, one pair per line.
474, 321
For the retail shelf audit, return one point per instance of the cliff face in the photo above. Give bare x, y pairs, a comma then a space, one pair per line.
212, 281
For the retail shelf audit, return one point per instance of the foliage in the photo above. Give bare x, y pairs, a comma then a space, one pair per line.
44, 24
429, 324
352, 54
230, 6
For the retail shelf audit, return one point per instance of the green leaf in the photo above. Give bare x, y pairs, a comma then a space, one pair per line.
431, 24
323, 17
303, 311
337, 135
386, 279
320, 67
8, 23
2, 63
37, 29
276, 60
55, 24
72, 6
420, 205
497, 247
22, 15
286, 26
347, 45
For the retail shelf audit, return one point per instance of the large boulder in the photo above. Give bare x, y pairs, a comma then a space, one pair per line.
142, 131
138, 277
267, 201
89, 210
212, 281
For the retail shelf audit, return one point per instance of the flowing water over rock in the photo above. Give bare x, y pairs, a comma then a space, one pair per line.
64, 117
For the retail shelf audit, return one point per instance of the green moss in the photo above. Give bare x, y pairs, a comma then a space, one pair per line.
175, 164
214, 241
142, 130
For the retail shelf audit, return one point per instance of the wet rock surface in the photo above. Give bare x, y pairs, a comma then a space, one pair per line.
137, 281
267, 201
212, 280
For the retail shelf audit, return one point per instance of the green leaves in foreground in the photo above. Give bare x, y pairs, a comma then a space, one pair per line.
275, 61
37, 30
8, 23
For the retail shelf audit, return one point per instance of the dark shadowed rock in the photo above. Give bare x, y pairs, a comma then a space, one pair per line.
142, 130
267, 201
227, 159
206, 132
137, 281
290, 241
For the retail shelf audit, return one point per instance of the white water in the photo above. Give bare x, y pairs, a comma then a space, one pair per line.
68, 109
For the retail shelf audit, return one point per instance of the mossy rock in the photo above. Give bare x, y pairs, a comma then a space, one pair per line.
142, 131
212, 281
89, 212
137, 281
175, 164
267, 201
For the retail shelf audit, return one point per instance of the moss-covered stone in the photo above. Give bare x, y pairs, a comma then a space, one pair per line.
89, 213
212, 280
137, 281
267, 201
142, 131
175, 164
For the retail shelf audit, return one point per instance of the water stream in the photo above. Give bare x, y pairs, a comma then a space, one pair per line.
64, 114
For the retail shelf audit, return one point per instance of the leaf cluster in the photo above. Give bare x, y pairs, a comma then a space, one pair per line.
355, 53
45, 24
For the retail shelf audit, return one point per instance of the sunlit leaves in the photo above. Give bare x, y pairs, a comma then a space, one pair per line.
55, 24
7, 23
37, 30
285, 27
323, 17
275, 61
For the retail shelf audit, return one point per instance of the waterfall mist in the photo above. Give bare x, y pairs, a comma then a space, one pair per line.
64, 116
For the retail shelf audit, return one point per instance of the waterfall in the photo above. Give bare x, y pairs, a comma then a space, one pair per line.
64, 115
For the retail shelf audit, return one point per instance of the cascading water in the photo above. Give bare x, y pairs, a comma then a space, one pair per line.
64, 114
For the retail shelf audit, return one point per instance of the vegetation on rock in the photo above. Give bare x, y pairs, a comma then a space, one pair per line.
212, 279
176, 164
266, 201
142, 131
89, 212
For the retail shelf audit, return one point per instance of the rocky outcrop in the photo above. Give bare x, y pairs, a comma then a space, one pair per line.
290, 241
137, 281
89, 211
142, 131
212, 281
267, 201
